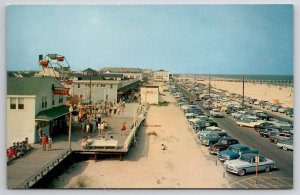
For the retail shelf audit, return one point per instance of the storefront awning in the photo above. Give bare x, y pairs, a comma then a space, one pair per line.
53, 113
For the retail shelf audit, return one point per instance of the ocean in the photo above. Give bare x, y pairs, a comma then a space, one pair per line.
258, 77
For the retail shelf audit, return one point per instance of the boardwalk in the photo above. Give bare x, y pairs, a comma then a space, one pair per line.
29, 165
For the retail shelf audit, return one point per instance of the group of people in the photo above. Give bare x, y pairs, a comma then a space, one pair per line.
104, 109
46, 142
18, 149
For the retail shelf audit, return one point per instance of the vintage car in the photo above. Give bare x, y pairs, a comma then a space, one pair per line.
286, 144
200, 125
247, 164
235, 151
222, 144
248, 122
215, 113
263, 125
212, 138
280, 136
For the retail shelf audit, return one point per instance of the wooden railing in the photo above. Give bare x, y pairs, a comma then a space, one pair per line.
27, 183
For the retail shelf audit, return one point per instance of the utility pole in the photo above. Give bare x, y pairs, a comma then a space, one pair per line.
90, 89
243, 93
209, 86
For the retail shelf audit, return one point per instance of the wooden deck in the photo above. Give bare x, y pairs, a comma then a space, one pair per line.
25, 171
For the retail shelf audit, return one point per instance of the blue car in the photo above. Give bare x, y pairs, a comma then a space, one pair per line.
235, 151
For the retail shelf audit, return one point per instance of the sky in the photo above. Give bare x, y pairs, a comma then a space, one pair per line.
202, 39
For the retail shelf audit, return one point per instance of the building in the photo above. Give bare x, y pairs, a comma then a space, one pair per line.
34, 102
96, 89
149, 95
161, 76
130, 73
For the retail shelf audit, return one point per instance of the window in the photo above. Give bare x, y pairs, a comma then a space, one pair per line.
43, 102
111, 86
52, 100
102, 85
21, 103
61, 99
106, 97
92, 85
13, 103
78, 85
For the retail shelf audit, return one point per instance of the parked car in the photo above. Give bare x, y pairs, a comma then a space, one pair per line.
282, 110
289, 112
268, 132
275, 108
264, 116
222, 144
216, 113
247, 164
263, 126
212, 138
280, 137
234, 152
200, 125
248, 122
286, 144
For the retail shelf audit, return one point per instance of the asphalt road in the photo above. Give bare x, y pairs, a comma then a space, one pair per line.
249, 137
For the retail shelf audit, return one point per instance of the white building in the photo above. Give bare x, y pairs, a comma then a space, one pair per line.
149, 95
96, 89
30, 104
161, 75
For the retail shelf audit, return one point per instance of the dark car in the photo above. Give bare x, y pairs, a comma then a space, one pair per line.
212, 138
234, 152
264, 116
268, 132
203, 124
263, 126
222, 144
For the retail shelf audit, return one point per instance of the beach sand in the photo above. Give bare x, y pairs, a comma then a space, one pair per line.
183, 164
271, 93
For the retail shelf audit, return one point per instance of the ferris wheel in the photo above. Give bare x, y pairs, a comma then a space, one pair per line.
54, 65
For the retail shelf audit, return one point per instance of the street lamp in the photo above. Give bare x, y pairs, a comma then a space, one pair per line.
70, 123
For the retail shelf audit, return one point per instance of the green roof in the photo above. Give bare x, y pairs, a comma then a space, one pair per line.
53, 113
29, 85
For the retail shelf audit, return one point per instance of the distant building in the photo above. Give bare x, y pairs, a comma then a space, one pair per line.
161, 76
48, 72
130, 73
149, 95
32, 102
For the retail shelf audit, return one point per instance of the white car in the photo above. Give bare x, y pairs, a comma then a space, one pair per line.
247, 164
249, 122
216, 113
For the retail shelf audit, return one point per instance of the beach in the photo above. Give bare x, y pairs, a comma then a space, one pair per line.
271, 93
182, 164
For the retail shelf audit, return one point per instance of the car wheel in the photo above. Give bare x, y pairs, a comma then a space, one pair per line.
267, 169
284, 148
242, 172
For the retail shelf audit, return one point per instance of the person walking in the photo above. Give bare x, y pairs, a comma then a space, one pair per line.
123, 128
44, 142
49, 143
99, 128
40, 130
102, 128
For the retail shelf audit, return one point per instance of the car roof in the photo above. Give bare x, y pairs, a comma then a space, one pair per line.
238, 146
251, 155
228, 138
